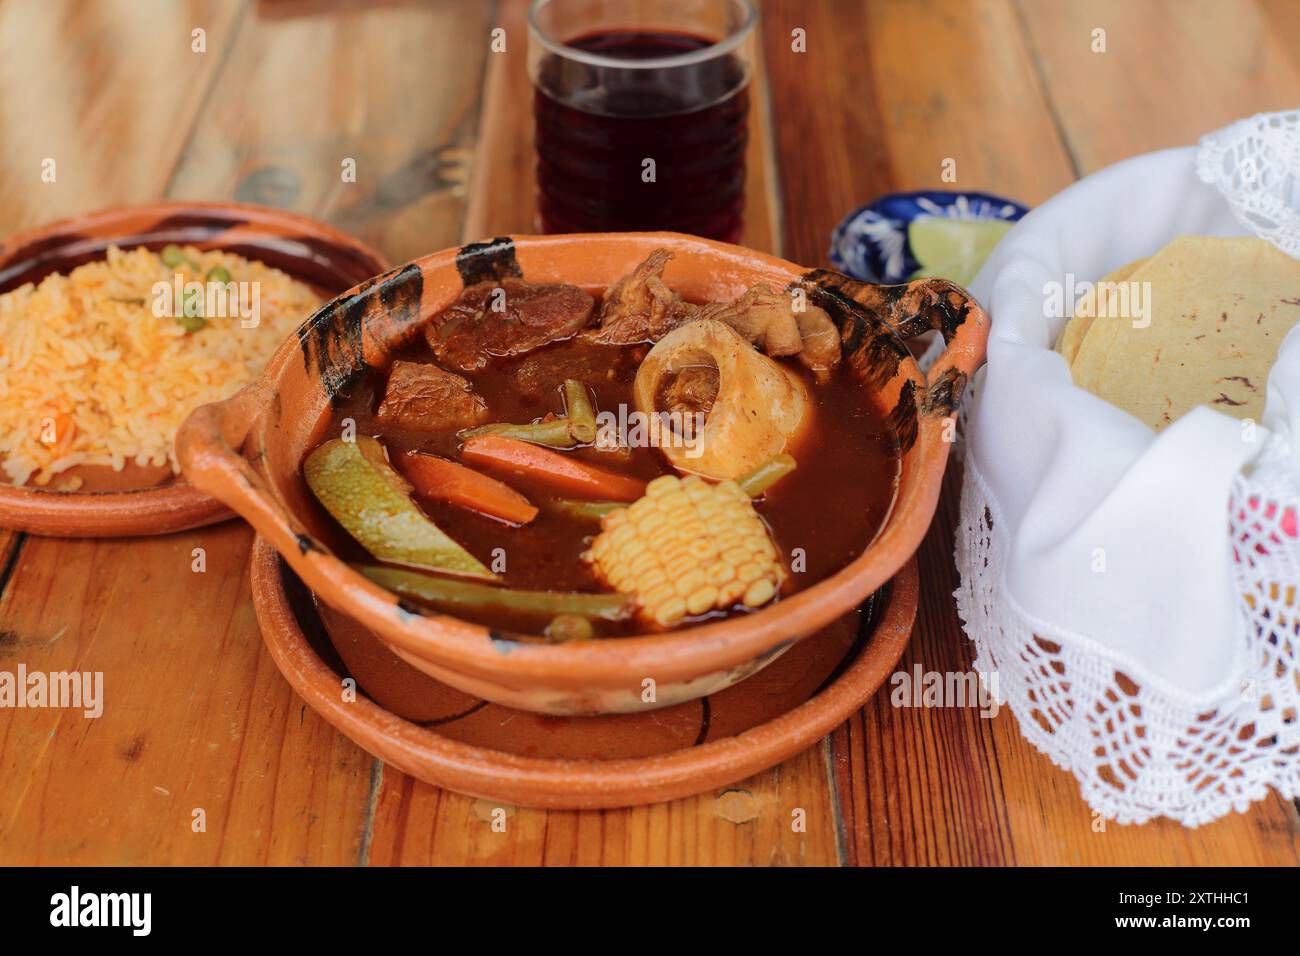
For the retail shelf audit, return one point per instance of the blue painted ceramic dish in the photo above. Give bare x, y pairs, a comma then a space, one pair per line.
871, 244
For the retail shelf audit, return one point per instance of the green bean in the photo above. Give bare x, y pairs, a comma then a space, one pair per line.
590, 510
578, 407
219, 274
578, 427
557, 433
191, 317
171, 255
456, 596
766, 475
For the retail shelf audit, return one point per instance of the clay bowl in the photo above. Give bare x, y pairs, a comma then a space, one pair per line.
310, 251
246, 451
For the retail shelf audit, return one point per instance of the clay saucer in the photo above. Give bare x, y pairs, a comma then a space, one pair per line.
328, 260
451, 739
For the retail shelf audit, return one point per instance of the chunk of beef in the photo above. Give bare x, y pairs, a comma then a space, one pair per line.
424, 398
769, 320
539, 376
821, 341
640, 307
520, 317
762, 316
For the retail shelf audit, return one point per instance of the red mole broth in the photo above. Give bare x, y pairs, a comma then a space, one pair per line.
830, 507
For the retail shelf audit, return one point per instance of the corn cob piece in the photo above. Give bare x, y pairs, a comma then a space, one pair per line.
687, 547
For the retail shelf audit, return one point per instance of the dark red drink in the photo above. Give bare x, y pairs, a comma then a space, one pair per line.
637, 148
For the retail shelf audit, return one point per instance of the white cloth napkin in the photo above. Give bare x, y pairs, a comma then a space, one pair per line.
1117, 535
1136, 593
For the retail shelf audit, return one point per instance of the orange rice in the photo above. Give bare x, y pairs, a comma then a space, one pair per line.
90, 375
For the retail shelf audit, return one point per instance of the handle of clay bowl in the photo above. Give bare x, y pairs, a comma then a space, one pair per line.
950, 309
208, 447
918, 307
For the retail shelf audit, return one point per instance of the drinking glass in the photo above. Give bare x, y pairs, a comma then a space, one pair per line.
641, 110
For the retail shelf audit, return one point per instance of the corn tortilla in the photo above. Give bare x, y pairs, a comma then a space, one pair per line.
1219, 309
1074, 331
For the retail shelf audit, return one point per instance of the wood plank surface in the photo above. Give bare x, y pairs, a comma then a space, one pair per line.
195, 707
196, 715
84, 87
392, 87
946, 786
1172, 70
108, 90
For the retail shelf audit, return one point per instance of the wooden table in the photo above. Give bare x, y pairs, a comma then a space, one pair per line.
282, 92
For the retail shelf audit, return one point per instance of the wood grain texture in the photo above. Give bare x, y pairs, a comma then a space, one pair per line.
392, 88
749, 823
194, 706
1172, 70
85, 88
108, 91
194, 717
946, 786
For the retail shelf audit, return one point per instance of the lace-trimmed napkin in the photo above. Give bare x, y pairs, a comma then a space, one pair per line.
1136, 592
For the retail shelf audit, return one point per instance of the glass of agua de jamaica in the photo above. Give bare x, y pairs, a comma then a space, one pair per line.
641, 110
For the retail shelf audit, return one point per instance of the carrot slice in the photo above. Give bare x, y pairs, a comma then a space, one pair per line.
560, 472
444, 480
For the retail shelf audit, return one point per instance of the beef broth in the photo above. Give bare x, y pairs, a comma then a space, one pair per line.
521, 370
821, 516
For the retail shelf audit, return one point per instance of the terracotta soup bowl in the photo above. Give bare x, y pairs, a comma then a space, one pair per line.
322, 257
247, 452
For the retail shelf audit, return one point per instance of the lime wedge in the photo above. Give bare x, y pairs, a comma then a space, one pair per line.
953, 248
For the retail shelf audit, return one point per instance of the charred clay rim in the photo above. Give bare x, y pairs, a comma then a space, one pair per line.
274, 419
579, 784
308, 250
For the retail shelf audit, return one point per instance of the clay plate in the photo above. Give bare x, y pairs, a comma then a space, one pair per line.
310, 251
450, 739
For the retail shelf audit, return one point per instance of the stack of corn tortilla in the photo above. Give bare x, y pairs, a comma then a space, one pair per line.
1214, 312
